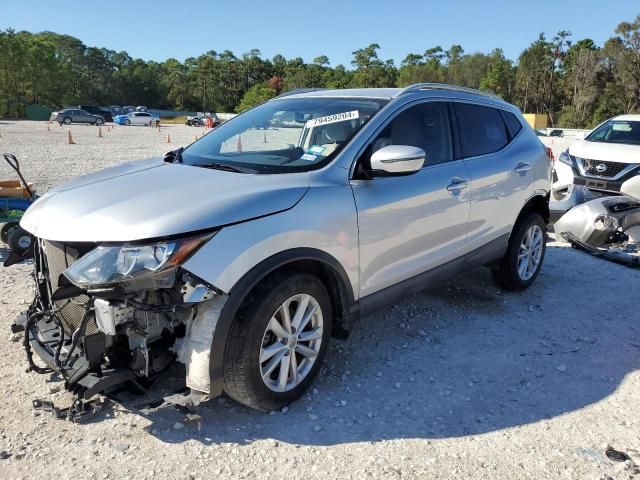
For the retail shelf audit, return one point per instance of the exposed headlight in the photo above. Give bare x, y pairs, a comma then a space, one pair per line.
566, 158
107, 265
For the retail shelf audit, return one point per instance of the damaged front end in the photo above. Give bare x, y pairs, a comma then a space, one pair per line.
108, 315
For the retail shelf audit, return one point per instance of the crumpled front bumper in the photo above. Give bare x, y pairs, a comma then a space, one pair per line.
43, 338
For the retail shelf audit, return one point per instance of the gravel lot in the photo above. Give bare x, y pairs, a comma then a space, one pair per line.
465, 381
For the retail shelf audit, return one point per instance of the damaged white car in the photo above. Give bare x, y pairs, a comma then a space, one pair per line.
242, 253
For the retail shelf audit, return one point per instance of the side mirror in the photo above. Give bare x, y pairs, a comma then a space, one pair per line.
581, 135
398, 160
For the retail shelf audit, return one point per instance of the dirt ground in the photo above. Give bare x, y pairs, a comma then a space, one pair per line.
466, 381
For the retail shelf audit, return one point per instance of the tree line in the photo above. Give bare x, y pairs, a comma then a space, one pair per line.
576, 83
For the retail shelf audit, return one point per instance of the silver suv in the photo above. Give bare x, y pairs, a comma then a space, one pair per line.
240, 255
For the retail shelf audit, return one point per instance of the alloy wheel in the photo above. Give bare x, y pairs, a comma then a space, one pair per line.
530, 252
291, 343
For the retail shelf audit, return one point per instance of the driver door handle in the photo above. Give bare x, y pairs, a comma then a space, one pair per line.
456, 185
522, 167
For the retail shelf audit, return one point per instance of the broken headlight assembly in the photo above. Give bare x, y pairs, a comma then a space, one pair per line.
150, 265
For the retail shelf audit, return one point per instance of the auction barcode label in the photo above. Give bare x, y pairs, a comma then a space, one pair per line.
336, 117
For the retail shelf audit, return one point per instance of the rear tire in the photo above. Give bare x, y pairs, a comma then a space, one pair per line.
520, 266
257, 353
99, 122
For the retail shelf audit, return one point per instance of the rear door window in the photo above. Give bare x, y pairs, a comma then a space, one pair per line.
482, 130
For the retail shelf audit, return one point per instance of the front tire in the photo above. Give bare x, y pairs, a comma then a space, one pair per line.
99, 122
127, 122
520, 266
278, 341
67, 121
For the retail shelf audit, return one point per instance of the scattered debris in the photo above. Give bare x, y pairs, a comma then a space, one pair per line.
616, 455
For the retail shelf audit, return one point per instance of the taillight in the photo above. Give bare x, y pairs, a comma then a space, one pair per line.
552, 159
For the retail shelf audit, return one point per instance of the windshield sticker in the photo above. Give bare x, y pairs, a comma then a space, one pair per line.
309, 157
316, 149
336, 117
621, 127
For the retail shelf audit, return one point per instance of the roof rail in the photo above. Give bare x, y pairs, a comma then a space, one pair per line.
297, 91
446, 86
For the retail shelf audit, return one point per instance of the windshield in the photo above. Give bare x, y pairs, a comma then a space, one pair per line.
617, 131
280, 136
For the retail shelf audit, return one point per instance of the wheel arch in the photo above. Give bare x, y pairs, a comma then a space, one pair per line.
539, 204
307, 260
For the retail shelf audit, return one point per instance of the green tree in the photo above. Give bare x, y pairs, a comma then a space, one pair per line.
370, 70
578, 83
255, 95
417, 68
629, 34
500, 76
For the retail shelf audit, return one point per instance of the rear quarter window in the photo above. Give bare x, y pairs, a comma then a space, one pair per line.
481, 128
513, 124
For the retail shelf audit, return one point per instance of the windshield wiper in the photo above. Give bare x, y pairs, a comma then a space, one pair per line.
227, 168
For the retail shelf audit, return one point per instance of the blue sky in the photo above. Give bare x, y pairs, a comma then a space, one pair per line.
162, 29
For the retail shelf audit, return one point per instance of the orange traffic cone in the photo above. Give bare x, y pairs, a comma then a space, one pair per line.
168, 139
239, 145
158, 128
99, 134
69, 137
195, 137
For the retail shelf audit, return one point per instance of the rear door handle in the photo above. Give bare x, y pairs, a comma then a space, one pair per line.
522, 167
456, 185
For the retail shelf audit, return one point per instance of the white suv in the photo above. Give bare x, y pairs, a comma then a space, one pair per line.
241, 254
605, 159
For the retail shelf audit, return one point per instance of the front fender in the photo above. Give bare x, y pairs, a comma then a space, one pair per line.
324, 220
322, 227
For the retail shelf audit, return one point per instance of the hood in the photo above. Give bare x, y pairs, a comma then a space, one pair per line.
610, 152
152, 199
